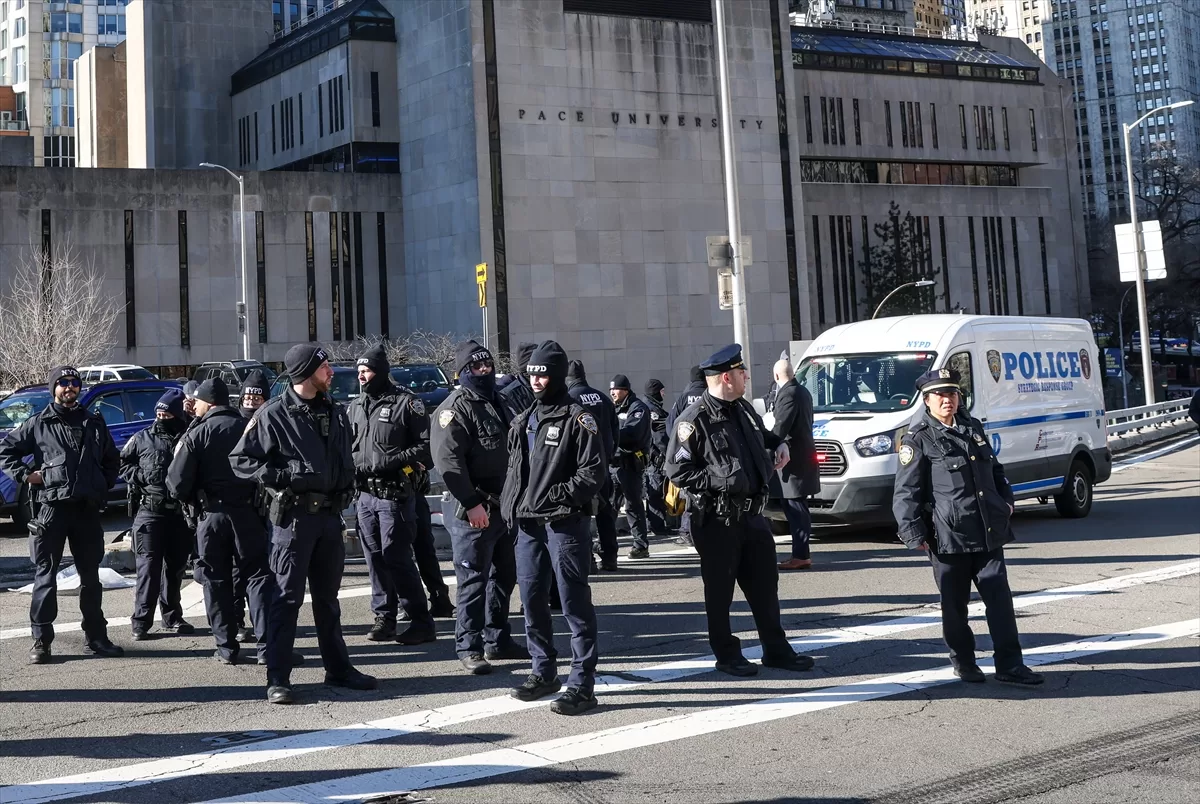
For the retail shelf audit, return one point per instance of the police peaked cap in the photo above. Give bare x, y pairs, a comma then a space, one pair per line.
730, 357
938, 379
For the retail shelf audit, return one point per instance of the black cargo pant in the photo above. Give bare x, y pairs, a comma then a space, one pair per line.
76, 524
606, 519
486, 567
629, 477
954, 573
227, 536
163, 545
741, 553
656, 505
387, 529
560, 549
309, 549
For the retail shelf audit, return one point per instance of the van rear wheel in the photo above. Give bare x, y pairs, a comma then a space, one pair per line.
1075, 501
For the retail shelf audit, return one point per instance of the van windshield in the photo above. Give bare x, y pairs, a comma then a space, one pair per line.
868, 383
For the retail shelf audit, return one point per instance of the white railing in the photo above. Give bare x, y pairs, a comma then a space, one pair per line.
320, 10
965, 33
1156, 416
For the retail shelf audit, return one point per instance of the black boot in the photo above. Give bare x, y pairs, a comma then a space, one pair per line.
440, 606
103, 647
384, 630
39, 653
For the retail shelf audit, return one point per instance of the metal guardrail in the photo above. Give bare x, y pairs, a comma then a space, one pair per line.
1147, 416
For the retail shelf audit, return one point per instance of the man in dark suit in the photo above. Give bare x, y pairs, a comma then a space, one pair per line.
800, 477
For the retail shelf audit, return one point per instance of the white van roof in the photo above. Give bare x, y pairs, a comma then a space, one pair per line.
916, 332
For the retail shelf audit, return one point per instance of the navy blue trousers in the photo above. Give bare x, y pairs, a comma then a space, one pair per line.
163, 544
426, 553
76, 524
486, 567
561, 549
629, 476
229, 536
954, 573
606, 520
388, 529
800, 524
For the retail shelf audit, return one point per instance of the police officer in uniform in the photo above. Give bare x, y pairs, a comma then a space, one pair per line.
605, 413
720, 453
74, 464
189, 401
953, 500
656, 511
391, 442
470, 449
514, 389
298, 449
162, 538
690, 396
255, 390
426, 553
555, 469
633, 450
229, 532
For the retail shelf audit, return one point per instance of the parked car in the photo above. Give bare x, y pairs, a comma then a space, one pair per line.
423, 379
114, 371
126, 405
233, 372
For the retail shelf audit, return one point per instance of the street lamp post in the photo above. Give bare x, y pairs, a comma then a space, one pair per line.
1143, 314
920, 283
243, 318
1121, 338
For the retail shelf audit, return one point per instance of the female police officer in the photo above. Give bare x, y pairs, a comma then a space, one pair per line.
953, 500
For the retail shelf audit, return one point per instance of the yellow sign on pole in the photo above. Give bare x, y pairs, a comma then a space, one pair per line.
481, 282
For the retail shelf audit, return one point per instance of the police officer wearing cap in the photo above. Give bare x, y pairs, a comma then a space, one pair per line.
656, 481
555, 469
229, 531
514, 389
633, 451
953, 500
189, 401
721, 454
298, 449
73, 462
254, 392
162, 540
470, 450
604, 412
690, 396
391, 443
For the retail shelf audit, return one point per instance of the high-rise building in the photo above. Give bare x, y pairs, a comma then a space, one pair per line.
1022, 19
39, 42
1125, 58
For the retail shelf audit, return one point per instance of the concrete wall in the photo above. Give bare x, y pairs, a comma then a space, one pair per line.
88, 210
181, 54
16, 151
101, 114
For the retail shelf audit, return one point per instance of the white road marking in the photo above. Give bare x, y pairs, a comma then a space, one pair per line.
218, 761
1121, 466
504, 761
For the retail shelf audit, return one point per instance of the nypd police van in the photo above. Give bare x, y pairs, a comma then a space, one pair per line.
1033, 382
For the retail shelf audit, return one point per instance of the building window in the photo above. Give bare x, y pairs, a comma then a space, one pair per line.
185, 326
824, 122
1004, 124
19, 26
933, 123
816, 239
256, 136
20, 68
962, 124
862, 171
1045, 261
857, 125
904, 124
807, 121
58, 151
300, 114
991, 129
1033, 129
887, 114
341, 104
273, 128
320, 114
375, 99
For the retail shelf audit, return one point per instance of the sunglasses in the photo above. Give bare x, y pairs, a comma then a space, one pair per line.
68, 382
478, 364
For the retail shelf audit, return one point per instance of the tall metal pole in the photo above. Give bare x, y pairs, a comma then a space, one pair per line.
1121, 338
741, 319
1143, 315
245, 295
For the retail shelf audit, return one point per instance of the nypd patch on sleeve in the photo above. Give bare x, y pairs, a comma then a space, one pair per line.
684, 430
418, 407
907, 453
445, 417
589, 423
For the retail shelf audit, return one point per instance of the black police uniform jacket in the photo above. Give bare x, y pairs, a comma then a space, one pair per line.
284, 446
690, 396
201, 461
78, 464
469, 440
146, 458
800, 477
951, 492
516, 395
658, 431
708, 445
603, 410
564, 472
634, 433
391, 431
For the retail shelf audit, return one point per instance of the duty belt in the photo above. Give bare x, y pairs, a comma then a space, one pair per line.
156, 504
384, 488
730, 508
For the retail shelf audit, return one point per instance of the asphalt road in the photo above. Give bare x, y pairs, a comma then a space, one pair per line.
878, 720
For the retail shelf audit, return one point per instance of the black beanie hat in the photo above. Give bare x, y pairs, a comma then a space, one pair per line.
256, 383
620, 381
375, 359
575, 371
302, 360
214, 391
654, 388
189, 389
57, 373
697, 374
549, 360
524, 351
469, 352
171, 402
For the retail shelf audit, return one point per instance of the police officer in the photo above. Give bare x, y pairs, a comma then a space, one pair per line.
189, 401
656, 511
426, 552
298, 449
255, 389
690, 396
229, 532
74, 464
605, 414
514, 389
720, 453
633, 449
953, 500
163, 541
391, 442
470, 449
555, 470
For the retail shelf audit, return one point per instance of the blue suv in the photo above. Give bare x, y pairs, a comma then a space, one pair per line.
126, 405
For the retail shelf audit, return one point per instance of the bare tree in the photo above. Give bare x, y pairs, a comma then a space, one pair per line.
55, 312
421, 346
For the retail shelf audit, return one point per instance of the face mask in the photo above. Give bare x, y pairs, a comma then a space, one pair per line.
484, 384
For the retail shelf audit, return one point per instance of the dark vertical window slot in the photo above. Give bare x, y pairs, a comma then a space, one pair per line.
835, 259
903, 124
974, 262
381, 247
820, 272
850, 272
933, 128
987, 259
320, 112
857, 124
991, 129
260, 256
360, 285
375, 99
256, 136
1003, 265
945, 261
824, 122
1017, 268
1033, 129
185, 308
841, 117
917, 124
962, 124
130, 307
300, 107
310, 275
1004, 124
47, 246
347, 279
1045, 262
978, 132
273, 128
807, 121
335, 295
887, 115
866, 256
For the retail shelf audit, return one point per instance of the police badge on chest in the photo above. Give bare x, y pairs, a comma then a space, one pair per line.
385, 414
553, 435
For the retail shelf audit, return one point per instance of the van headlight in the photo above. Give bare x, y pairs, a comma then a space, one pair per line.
873, 446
